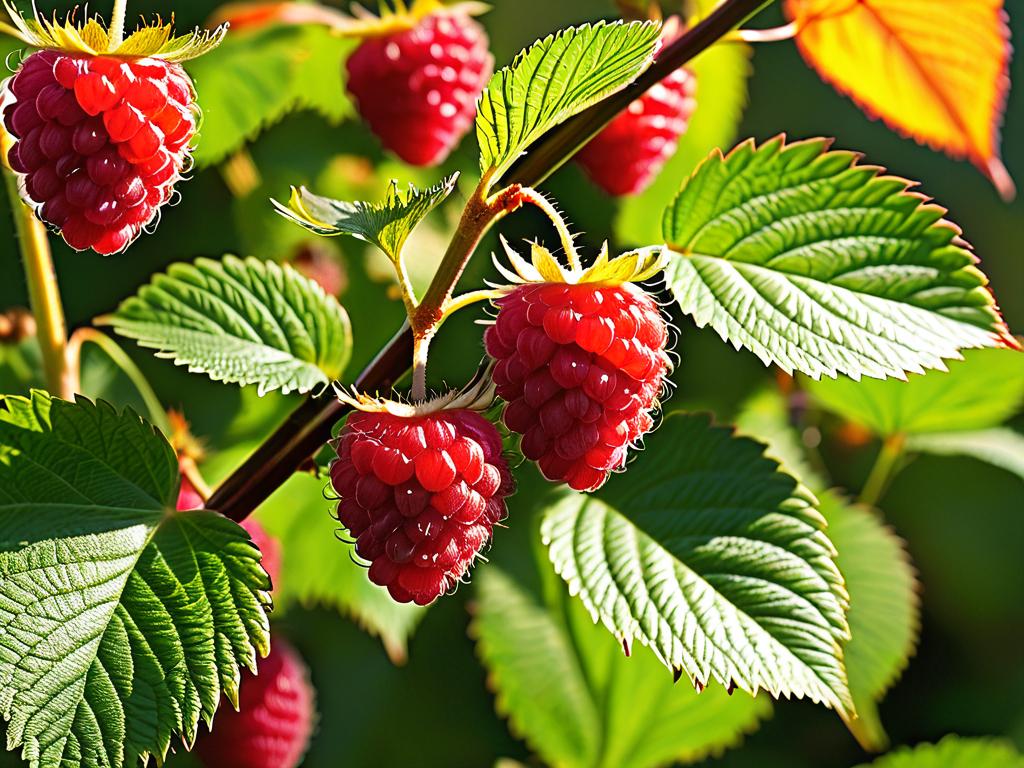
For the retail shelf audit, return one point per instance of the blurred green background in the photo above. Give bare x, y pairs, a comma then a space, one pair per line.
962, 520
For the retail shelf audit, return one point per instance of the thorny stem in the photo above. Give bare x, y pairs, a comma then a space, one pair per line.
307, 429
117, 23
537, 199
44, 294
884, 470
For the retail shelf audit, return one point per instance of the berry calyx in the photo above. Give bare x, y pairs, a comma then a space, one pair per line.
581, 362
274, 720
101, 129
629, 153
420, 491
417, 77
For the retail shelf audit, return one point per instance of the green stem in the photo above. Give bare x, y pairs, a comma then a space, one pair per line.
120, 358
117, 23
885, 468
537, 199
43, 292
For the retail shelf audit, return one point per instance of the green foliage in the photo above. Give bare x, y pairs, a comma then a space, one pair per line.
567, 687
319, 566
954, 752
979, 392
823, 266
554, 79
1000, 447
254, 78
241, 321
121, 621
721, 73
387, 224
717, 560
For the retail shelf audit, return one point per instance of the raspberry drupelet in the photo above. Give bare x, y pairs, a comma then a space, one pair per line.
582, 365
420, 493
417, 85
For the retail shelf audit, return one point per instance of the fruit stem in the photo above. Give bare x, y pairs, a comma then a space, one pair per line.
883, 471
43, 291
468, 299
420, 352
116, 33
120, 358
540, 201
773, 35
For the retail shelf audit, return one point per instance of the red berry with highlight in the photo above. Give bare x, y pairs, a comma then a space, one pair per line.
417, 88
420, 495
100, 142
274, 721
582, 367
627, 155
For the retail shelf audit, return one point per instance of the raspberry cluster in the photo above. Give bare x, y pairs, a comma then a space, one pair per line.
581, 367
100, 140
625, 157
421, 495
274, 721
417, 88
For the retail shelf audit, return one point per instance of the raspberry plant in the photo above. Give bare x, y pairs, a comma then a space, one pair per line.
654, 545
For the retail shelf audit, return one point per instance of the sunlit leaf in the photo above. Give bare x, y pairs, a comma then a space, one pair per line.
569, 690
953, 752
241, 321
981, 391
714, 558
554, 79
824, 266
1001, 448
121, 621
939, 78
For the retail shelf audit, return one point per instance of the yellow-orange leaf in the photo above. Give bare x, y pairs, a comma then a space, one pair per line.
934, 71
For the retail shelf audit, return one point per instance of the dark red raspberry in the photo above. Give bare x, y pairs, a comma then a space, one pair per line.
420, 495
101, 141
269, 547
274, 721
625, 157
581, 367
417, 88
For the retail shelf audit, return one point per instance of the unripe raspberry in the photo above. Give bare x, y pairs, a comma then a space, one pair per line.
100, 142
274, 720
581, 366
629, 153
421, 495
417, 87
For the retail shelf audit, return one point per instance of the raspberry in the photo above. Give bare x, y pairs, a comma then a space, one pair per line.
581, 367
269, 547
625, 157
421, 495
100, 142
274, 721
417, 88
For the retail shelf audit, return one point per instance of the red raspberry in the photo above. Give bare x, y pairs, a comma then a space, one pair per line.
417, 88
274, 721
269, 547
421, 495
101, 141
625, 157
581, 367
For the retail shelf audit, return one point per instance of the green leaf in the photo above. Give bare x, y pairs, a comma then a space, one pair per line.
721, 73
716, 560
299, 517
241, 321
954, 752
387, 224
254, 78
823, 266
554, 79
981, 391
1001, 448
121, 621
566, 687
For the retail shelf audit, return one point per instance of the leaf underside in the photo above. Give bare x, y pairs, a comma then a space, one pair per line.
716, 560
243, 322
823, 266
121, 622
